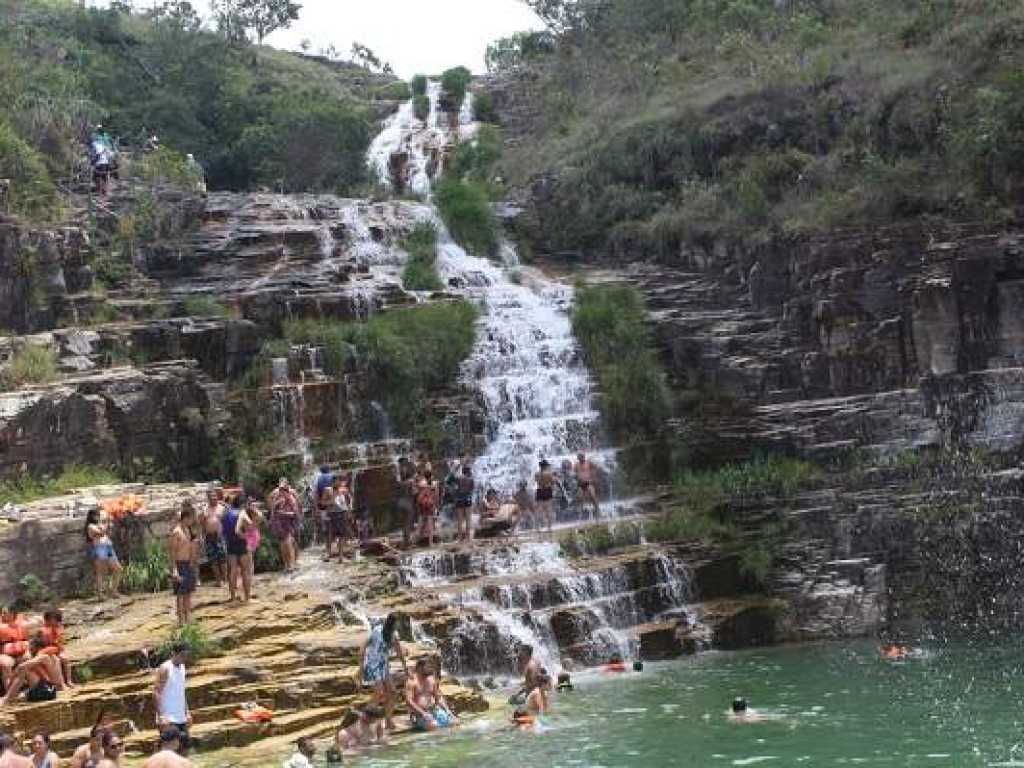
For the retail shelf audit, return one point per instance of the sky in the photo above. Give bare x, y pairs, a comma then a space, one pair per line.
415, 36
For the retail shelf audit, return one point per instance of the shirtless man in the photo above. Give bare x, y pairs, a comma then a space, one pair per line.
427, 707
168, 756
40, 676
8, 757
585, 483
179, 546
531, 671
545, 496
216, 554
537, 703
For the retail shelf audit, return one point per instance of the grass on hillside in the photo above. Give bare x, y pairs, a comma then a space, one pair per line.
610, 322
466, 211
30, 364
407, 354
26, 488
420, 272
667, 125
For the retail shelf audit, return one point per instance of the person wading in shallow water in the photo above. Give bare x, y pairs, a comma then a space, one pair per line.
428, 709
8, 757
375, 666
545, 496
168, 757
585, 483
183, 576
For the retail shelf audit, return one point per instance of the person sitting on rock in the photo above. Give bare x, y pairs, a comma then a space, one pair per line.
14, 633
40, 677
168, 756
8, 757
428, 709
366, 730
52, 632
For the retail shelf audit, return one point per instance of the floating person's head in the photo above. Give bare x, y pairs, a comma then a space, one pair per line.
306, 746
616, 658
467, 470
545, 464
739, 705
638, 666
564, 681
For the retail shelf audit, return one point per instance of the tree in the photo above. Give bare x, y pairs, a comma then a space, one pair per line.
178, 14
362, 54
242, 20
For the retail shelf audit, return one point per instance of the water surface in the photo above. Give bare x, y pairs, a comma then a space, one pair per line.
838, 704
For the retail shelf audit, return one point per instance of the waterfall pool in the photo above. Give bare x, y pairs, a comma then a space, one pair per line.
838, 704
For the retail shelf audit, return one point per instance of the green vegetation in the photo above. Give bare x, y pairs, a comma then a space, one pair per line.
419, 85
195, 636
610, 322
766, 475
407, 354
253, 116
483, 108
599, 539
668, 125
30, 364
466, 210
203, 305
511, 53
31, 192
148, 569
421, 106
420, 273
32, 592
26, 488
454, 83
396, 91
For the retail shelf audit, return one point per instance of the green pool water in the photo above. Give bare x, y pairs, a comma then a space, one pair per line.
838, 705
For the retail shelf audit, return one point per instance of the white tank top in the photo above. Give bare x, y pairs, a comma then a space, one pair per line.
172, 698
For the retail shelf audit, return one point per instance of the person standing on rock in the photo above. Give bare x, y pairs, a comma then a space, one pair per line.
171, 704
233, 528
427, 500
183, 575
171, 743
8, 757
545, 496
375, 664
106, 566
285, 513
585, 483
406, 502
465, 490
216, 554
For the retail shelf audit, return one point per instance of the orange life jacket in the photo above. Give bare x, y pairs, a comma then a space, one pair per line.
254, 715
615, 666
14, 638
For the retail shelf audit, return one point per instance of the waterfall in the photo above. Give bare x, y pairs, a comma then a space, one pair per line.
529, 593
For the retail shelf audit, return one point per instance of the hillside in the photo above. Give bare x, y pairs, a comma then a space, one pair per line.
251, 115
646, 128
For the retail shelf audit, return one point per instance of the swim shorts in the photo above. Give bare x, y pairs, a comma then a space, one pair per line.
441, 718
104, 551
215, 550
186, 583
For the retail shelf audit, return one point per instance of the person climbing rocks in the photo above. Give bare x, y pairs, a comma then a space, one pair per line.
213, 535
102, 159
106, 566
367, 729
183, 574
464, 492
428, 709
375, 664
586, 490
169, 695
305, 751
545, 496
285, 520
40, 676
427, 497
171, 745
233, 526
9, 758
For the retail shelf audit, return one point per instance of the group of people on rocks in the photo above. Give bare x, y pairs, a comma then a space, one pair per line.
32, 656
474, 510
105, 157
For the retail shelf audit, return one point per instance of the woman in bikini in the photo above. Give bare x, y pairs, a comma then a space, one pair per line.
105, 563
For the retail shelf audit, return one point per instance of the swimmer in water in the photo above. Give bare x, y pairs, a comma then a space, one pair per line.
894, 652
741, 713
564, 682
615, 664
522, 720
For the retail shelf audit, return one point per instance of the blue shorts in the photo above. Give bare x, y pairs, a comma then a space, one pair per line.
441, 718
104, 551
